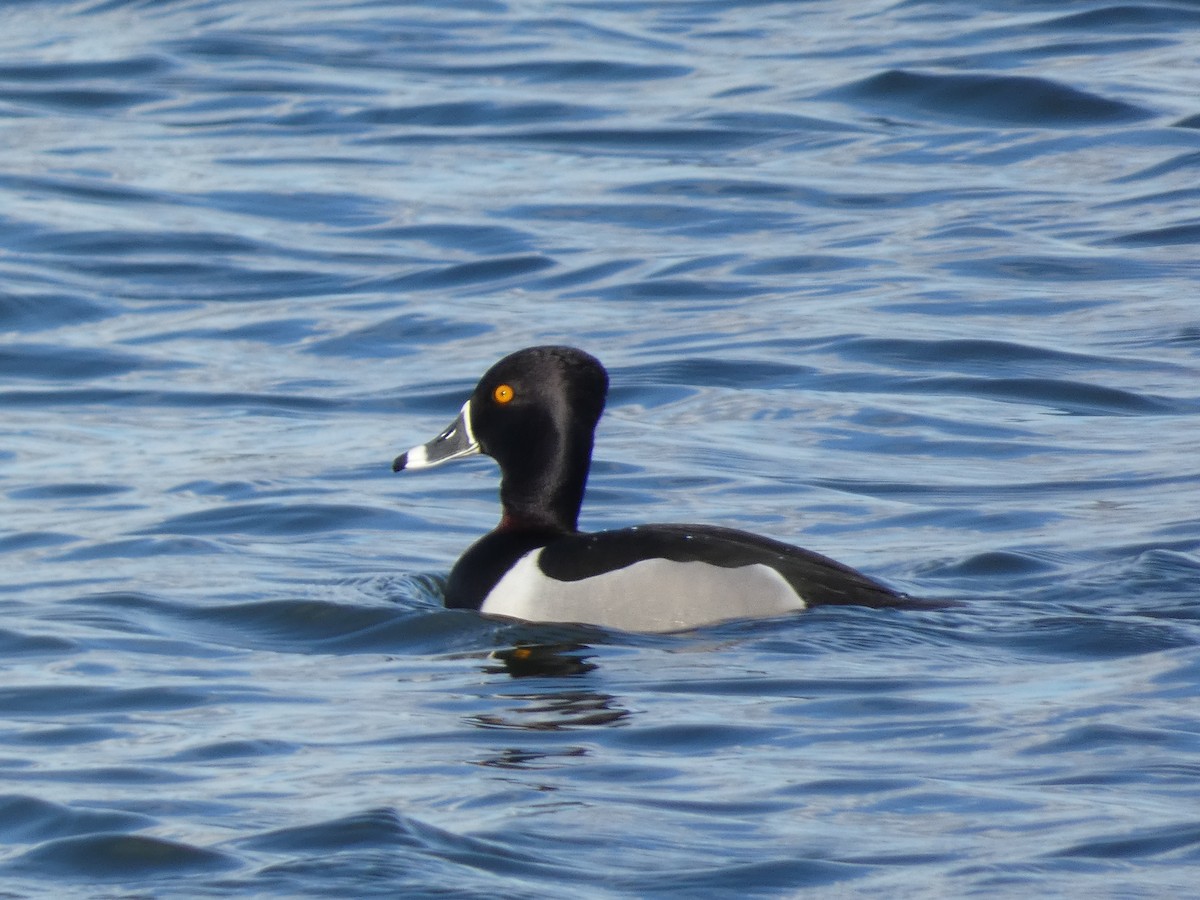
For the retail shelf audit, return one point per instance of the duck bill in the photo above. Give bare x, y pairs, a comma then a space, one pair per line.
455, 442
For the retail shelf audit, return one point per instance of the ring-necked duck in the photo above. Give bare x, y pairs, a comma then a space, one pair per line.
535, 413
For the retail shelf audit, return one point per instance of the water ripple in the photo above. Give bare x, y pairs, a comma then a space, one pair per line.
1009, 99
118, 858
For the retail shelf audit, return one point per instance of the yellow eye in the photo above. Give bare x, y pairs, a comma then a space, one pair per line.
502, 394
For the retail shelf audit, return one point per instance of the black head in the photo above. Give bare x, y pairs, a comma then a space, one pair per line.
535, 413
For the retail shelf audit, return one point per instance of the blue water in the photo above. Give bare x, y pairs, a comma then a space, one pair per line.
912, 284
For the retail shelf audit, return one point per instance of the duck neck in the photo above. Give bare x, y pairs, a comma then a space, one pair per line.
542, 488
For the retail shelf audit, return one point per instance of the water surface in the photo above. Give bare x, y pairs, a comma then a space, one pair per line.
911, 284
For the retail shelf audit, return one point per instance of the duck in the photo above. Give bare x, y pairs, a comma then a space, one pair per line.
535, 413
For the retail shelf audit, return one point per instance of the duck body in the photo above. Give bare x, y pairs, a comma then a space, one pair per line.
535, 412
651, 577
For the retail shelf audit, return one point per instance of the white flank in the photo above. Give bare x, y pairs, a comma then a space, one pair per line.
651, 595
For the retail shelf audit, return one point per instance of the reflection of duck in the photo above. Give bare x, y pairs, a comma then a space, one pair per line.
543, 659
555, 711
516, 758
535, 413
551, 710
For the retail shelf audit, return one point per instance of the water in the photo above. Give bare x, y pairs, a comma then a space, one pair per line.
912, 284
